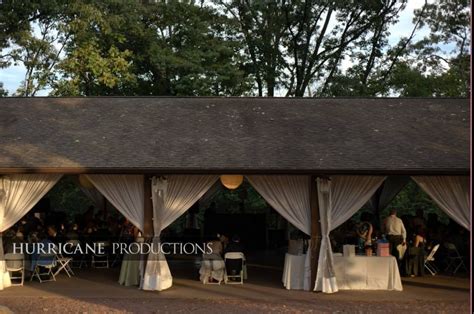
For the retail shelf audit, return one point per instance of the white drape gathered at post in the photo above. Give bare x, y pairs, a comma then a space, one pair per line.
451, 194
125, 192
18, 194
172, 196
290, 197
339, 198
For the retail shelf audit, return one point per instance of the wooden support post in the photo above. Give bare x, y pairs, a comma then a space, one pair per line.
148, 210
315, 230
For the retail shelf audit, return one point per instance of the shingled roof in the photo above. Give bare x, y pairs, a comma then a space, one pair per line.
247, 135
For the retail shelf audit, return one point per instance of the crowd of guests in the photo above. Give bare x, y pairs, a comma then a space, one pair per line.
412, 236
35, 227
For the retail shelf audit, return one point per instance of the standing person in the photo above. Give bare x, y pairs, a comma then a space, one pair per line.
396, 233
364, 232
416, 254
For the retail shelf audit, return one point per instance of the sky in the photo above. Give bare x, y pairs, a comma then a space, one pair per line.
13, 75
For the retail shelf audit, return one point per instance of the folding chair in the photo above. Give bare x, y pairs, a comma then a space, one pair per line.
429, 261
455, 260
234, 262
15, 264
46, 262
101, 260
64, 265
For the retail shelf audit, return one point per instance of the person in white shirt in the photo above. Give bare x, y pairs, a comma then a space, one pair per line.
396, 232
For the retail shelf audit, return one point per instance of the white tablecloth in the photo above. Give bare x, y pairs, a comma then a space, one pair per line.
367, 273
293, 272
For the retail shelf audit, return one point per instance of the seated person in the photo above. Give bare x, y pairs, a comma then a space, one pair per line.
40, 238
234, 266
212, 267
53, 235
235, 245
72, 233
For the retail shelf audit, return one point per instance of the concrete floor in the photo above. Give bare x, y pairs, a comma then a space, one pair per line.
99, 287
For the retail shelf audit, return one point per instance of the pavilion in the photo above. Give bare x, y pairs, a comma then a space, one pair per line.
315, 161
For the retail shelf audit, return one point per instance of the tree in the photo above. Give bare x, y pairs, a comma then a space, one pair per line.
3, 92
31, 36
262, 26
192, 50
423, 68
296, 44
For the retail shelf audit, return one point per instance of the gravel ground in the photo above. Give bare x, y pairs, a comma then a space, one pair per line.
124, 305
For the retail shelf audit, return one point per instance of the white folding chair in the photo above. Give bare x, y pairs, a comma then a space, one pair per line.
229, 275
101, 260
455, 260
64, 265
44, 267
15, 263
429, 261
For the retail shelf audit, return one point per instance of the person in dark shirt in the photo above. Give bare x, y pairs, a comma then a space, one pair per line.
235, 245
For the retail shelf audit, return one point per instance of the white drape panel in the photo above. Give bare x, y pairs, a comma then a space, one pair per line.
125, 192
172, 196
18, 194
339, 198
451, 194
290, 197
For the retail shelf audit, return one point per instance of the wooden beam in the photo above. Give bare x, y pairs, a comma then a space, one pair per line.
148, 209
315, 230
266, 171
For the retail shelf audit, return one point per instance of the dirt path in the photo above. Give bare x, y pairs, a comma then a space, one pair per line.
113, 305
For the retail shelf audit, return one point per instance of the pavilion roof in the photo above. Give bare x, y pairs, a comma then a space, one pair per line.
235, 134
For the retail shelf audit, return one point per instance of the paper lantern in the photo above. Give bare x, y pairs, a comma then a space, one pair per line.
85, 182
232, 181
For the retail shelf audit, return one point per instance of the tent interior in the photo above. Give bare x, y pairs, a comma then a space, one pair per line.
77, 209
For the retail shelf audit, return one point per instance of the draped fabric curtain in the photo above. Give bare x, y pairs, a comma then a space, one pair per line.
18, 194
339, 198
451, 194
124, 192
290, 197
172, 196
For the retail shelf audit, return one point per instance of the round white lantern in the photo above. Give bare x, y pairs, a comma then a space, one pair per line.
232, 181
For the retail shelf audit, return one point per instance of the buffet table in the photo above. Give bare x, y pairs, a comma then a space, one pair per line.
367, 273
352, 272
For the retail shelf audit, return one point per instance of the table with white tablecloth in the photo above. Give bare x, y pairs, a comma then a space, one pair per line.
367, 273
130, 270
293, 271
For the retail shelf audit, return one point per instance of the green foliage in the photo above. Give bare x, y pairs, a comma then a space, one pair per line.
411, 198
229, 47
3, 92
244, 199
66, 196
